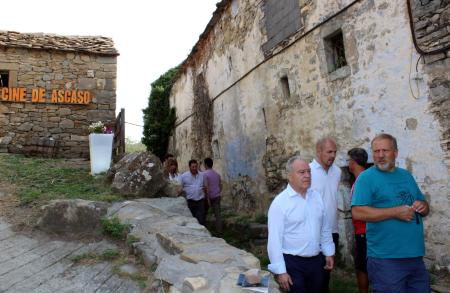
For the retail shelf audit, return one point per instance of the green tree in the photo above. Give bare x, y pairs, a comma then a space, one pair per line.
159, 117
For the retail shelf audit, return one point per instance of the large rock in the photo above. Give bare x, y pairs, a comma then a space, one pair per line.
138, 174
72, 216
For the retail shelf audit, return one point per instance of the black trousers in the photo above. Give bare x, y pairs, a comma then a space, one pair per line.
197, 208
326, 280
306, 272
215, 205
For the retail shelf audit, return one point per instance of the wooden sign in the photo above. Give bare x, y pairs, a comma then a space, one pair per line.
39, 95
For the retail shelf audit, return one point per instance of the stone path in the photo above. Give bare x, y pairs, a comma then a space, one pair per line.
39, 264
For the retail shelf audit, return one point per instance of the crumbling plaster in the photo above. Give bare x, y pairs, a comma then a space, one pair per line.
378, 91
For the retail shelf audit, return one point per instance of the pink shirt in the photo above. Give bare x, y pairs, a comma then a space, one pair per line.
212, 182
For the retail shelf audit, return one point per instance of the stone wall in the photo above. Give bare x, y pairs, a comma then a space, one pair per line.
257, 125
431, 22
432, 31
62, 128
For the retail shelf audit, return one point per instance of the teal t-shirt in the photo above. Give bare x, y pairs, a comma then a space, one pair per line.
390, 238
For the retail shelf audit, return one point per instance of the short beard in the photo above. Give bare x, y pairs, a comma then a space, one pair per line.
386, 167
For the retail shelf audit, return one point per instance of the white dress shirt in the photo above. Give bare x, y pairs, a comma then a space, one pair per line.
296, 227
175, 178
326, 183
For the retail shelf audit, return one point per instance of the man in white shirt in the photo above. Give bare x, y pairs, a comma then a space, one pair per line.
325, 180
299, 236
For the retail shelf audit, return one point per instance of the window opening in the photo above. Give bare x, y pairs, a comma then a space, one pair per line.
285, 87
234, 7
4, 78
335, 51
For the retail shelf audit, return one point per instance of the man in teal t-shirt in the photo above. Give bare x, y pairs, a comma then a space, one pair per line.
389, 200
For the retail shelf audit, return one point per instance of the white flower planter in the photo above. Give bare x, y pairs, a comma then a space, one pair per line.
100, 148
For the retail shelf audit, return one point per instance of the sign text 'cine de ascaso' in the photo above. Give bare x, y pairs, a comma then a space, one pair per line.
39, 95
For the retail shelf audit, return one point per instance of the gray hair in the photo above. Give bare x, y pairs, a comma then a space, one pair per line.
291, 161
388, 137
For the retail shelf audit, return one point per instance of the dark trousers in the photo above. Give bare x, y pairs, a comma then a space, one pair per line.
326, 279
398, 275
197, 208
306, 272
214, 203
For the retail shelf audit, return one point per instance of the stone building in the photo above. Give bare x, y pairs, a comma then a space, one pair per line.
52, 88
268, 78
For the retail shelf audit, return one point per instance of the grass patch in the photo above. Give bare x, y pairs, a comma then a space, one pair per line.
153, 268
133, 146
132, 239
43, 179
139, 277
112, 227
92, 257
342, 282
84, 256
110, 254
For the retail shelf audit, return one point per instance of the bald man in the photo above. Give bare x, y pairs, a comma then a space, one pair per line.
325, 179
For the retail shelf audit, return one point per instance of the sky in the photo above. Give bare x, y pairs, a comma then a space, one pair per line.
151, 37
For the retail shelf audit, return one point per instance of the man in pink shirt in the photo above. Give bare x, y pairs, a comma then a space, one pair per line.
214, 187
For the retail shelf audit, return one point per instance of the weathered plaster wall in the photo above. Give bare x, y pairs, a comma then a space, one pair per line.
257, 127
25, 125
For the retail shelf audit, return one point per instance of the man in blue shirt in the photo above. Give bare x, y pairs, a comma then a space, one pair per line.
389, 200
194, 187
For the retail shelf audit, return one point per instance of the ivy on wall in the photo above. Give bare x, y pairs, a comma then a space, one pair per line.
159, 117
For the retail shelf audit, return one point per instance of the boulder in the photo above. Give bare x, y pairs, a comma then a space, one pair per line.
138, 174
72, 216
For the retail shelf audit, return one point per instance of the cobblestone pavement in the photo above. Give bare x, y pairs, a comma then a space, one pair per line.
40, 264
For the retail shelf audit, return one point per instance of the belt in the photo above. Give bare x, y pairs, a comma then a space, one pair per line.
192, 200
306, 257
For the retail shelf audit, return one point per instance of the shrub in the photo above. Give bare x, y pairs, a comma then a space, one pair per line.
114, 228
261, 218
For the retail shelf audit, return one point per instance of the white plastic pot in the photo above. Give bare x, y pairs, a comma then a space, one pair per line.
100, 149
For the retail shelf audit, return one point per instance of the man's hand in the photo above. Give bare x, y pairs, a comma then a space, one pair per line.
329, 263
404, 213
285, 281
421, 207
